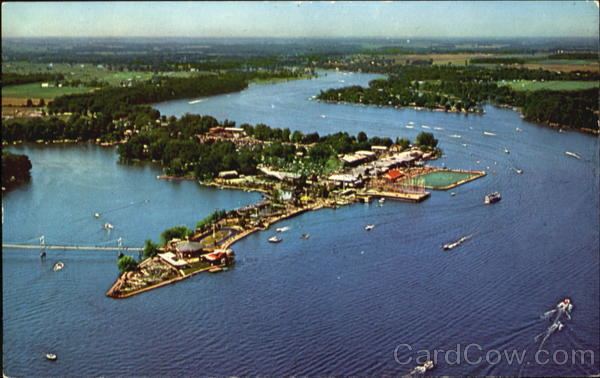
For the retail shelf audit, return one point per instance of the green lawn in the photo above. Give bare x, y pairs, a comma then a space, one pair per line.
86, 72
196, 267
35, 91
529, 85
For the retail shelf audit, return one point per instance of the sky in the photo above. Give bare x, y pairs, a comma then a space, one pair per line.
301, 19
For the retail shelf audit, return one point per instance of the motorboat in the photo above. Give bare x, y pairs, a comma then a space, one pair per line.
518, 170
409, 126
282, 229
215, 269
369, 227
572, 154
51, 356
108, 226
452, 194
519, 129
274, 239
421, 369
506, 151
455, 136
449, 246
492, 198
96, 215
488, 133
305, 236
58, 266
381, 200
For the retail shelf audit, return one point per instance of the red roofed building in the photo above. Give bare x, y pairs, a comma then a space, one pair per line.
393, 175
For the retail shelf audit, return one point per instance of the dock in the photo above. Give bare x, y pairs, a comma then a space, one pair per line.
398, 196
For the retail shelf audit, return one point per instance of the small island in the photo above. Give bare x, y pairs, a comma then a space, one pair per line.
15, 170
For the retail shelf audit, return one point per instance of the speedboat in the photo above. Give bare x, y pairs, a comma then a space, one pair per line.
96, 215
452, 194
274, 239
51, 356
572, 154
305, 236
381, 200
455, 136
506, 150
215, 269
492, 198
108, 226
488, 133
409, 126
518, 129
449, 246
58, 266
369, 227
518, 170
282, 229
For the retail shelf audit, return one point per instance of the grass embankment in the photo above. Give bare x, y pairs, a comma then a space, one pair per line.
552, 85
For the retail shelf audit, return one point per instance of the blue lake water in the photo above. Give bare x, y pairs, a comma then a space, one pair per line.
339, 303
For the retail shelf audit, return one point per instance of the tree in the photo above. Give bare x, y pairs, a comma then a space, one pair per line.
425, 139
126, 264
150, 249
177, 232
29, 103
42, 103
403, 143
361, 137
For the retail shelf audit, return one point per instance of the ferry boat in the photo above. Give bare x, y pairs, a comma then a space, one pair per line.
572, 154
492, 198
449, 246
275, 239
369, 227
58, 266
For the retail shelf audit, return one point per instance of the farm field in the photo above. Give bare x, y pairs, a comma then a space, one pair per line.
35, 91
529, 85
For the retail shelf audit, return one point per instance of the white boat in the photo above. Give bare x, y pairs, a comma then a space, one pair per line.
572, 154
108, 226
409, 126
305, 236
58, 266
195, 101
519, 129
425, 127
438, 128
452, 194
492, 198
488, 133
455, 136
506, 150
369, 227
381, 200
560, 131
96, 215
323, 116
449, 246
518, 170
274, 239
282, 229
51, 356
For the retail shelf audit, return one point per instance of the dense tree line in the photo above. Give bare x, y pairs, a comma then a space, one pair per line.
575, 56
15, 169
496, 60
10, 78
